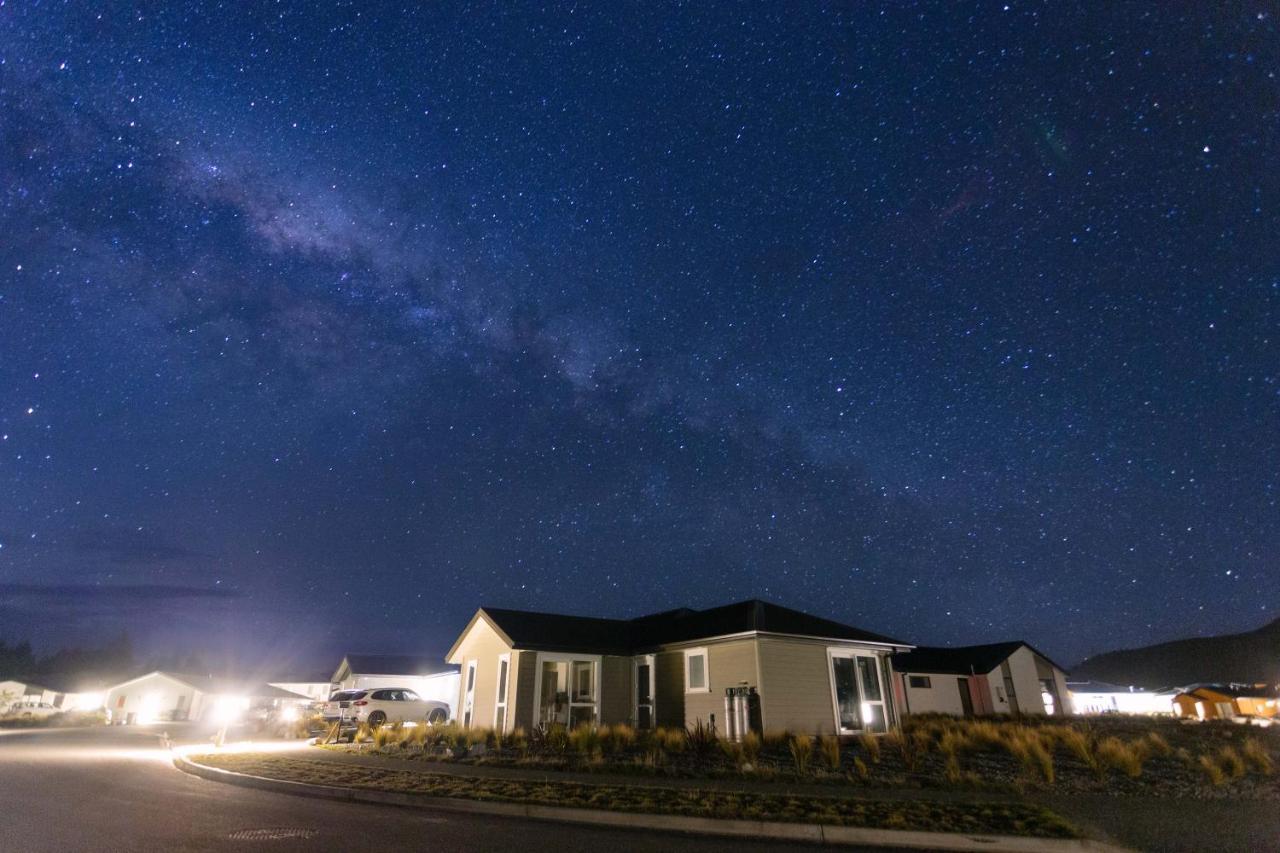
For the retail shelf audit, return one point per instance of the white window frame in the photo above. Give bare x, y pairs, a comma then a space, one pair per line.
469, 693
706, 670
596, 686
502, 692
852, 654
651, 662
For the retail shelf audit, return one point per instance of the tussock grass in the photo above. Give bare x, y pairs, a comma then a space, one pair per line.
801, 748
751, 747
777, 739
829, 749
1126, 758
1082, 745
586, 740
1256, 754
1029, 748
871, 744
1231, 762
1212, 771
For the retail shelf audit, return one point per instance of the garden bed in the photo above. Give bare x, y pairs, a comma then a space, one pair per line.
1126, 756
918, 814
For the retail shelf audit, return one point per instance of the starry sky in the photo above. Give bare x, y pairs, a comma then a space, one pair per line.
323, 324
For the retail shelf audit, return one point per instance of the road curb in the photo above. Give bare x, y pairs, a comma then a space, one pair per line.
805, 832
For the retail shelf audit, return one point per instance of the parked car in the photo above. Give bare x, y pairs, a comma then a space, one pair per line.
32, 709
384, 705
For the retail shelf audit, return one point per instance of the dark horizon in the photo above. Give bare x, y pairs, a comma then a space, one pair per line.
321, 327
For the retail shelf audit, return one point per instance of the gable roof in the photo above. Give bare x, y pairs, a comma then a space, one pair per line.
553, 632
961, 660
214, 685
360, 664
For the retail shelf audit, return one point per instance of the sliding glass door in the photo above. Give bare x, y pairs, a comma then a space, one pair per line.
568, 690
857, 691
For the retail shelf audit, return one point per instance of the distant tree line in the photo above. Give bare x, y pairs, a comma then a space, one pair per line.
114, 659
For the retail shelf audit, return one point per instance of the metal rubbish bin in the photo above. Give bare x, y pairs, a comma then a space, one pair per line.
741, 711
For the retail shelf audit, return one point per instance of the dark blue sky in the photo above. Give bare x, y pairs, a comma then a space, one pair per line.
322, 325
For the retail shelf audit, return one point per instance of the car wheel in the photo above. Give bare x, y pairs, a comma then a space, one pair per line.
437, 716
376, 719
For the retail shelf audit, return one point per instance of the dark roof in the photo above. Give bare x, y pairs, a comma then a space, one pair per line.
960, 660
398, 664
1237, 691
554, 632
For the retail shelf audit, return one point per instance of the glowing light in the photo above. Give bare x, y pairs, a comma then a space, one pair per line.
149, 710
289, 713
226, 709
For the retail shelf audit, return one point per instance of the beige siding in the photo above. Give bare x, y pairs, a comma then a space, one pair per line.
796, 686
483, 645
728, 665
524, 679
615, 691
669, 689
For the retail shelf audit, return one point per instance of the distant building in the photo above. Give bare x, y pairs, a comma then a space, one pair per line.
428, 676
967, 681
1227, 701
167, 696
1099, 697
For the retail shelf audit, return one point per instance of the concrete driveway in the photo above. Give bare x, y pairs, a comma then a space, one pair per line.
115, 789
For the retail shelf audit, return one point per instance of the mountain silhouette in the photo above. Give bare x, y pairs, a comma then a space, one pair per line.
1253, 656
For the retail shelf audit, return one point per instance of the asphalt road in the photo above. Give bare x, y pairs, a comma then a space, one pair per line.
116, 790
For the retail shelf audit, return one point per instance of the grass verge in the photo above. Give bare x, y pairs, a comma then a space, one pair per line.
995, 818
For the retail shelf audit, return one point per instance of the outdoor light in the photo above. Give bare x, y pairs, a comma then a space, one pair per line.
227, 708
88, 702
149, 711
289, 713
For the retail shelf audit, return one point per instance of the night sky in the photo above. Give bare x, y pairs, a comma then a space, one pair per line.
322, 325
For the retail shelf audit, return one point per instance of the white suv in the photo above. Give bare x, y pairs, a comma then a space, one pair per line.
379, 705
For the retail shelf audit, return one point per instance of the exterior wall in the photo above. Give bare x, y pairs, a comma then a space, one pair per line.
482, 645
1128, 702
1256, 706
1026, 680
523, 678
153, 696
942, 696
317, 691
729, 664
616, 691
795, 684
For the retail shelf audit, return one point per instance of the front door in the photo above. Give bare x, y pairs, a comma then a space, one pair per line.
644, 692
966, 700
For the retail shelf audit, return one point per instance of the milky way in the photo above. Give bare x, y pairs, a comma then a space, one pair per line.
321, 326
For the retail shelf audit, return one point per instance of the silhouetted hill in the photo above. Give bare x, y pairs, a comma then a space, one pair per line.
1252, 656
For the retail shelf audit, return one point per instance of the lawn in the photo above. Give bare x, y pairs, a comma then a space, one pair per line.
994, 818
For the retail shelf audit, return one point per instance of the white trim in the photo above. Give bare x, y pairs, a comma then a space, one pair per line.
561, 657
851, 654
502, 692
651, 662
706, 670
469, 693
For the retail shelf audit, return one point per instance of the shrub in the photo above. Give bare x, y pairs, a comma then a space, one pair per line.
1081, 745
1126, 758
519, 741
1212, 771
1027, 746
829, 747
1256, 754
751, 747
1231, 762
384, 735
585, 739
860, 766
1157, 744
911, 748
618, 738
700, 739
801, 751
871, 744
733, 751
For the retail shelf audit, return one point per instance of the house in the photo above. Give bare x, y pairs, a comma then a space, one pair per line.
997, 678
77, 693
13, 692
1226, 701
743, 666
426, 675
167, 696
316, 691
1099, 697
